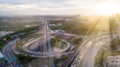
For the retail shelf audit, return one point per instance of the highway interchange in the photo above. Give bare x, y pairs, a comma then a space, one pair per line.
83, 56
47, 49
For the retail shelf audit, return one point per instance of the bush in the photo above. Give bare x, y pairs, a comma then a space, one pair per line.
22, 58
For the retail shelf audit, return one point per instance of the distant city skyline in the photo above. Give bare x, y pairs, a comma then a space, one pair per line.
51, 7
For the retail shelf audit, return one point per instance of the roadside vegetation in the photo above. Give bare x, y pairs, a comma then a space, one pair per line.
73, 27
58, 43
22, 58
18, 46
107, 50
18, 34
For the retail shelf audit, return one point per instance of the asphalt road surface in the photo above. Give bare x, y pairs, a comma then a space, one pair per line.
9, 56
87, 53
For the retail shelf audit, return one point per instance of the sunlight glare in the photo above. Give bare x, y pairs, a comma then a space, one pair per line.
107, 8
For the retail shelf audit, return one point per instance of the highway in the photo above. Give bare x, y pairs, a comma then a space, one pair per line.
50, 49
89, 50
9, 56
47, 46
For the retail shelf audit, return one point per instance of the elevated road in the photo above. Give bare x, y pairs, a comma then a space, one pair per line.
50, 48
86, 54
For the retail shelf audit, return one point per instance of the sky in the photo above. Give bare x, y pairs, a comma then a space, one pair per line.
49, 7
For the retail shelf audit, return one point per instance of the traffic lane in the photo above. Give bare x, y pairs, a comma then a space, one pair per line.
88, 59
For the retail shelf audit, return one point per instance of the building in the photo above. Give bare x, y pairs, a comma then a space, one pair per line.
113, 61
3, 33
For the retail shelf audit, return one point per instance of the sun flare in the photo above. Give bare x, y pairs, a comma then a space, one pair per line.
107, 8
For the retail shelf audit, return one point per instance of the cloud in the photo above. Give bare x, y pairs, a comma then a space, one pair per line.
54, 1
44, 7
31, 9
